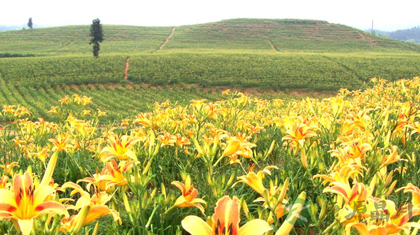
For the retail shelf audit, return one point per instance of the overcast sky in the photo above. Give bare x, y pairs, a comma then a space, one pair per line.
387, 15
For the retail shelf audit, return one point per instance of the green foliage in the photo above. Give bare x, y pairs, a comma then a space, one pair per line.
30, 24
97, 36
280, 71
7, 55
412, 35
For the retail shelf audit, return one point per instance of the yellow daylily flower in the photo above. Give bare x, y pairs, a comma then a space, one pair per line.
415, 195
255, 180
120, 149
3, 181
386, 220
189, 194
61, 143
225, 220
299, 132
91, 208
238, 145
25, 200
415, 127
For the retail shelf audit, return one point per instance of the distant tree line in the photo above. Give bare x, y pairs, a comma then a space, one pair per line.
9, 55
412, 35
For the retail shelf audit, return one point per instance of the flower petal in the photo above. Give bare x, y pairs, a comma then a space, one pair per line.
51, 208
196, 226
26, 226
226, 215
255, 227
98, 211
7, 197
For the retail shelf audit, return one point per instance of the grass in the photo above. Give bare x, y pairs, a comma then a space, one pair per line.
235, 34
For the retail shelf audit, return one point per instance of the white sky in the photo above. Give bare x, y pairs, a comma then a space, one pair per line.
387, 15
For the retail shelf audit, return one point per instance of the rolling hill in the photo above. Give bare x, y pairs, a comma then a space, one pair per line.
235, 34
265, 57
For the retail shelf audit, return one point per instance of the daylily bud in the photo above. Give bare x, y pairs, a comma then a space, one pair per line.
389, 178
323, 210
95, 231
304, 159
126, 204
391, 188
78, 224
297, 207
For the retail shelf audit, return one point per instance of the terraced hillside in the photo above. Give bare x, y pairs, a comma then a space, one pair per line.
75, 40
236, 34
280, 35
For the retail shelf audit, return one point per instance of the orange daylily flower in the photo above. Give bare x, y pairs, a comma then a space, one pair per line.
54, 110
238, 145
189, 194
61, 143
392, 157
64, 100
356, 149
415, 127
3, 181
120, 149
361, 119
42, 154
342, 174
26, 200
8, 168
181, 141
273, 197
102, 182
111, 175
393, 221
299, 132
101, 113
166, 139
415, 195
255, 180
91, 208
115, 171
225, 220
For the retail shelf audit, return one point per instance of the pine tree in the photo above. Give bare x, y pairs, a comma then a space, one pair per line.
97, 36
30, 24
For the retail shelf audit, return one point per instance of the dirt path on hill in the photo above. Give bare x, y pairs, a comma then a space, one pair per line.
272, 46
362, 36
127, 64
167, 40
369, 39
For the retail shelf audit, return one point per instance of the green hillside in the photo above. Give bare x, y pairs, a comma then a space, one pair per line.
236, 34
75, 40
269, 58
281, 35
291, 70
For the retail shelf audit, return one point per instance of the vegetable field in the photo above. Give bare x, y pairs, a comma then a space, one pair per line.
307, 71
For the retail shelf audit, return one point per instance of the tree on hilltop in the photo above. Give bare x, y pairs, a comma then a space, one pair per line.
30, 24
97, 36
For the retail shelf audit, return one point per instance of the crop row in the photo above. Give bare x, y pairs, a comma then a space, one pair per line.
75, 40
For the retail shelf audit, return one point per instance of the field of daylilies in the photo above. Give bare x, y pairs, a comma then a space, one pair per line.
347, 164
